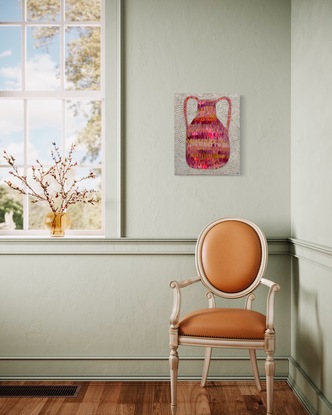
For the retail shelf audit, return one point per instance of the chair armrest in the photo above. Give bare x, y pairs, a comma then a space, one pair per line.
177, 285
273, 288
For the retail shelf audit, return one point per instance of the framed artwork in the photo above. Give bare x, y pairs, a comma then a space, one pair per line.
207, 134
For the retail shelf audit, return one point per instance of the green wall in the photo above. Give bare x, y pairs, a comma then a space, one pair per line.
78, 308
312, 201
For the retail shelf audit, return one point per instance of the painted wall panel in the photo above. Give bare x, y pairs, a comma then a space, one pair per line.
88, 306
111, 306
215, 46
311, 200
311, 126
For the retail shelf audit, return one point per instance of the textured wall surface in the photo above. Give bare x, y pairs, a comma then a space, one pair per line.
62, 309
206, 46
311, 196
63, 313
311, 121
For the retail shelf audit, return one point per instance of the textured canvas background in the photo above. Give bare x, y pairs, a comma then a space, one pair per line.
181, 166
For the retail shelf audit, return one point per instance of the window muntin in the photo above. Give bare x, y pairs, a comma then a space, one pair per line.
55, 93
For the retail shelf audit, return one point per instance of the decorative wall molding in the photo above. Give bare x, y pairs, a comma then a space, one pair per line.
311, 397
124, 368
130, 358
319, 255
120, 246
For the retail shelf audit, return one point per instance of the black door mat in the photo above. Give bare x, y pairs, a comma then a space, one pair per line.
41, 391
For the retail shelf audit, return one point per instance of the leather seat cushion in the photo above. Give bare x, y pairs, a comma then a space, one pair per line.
230, 323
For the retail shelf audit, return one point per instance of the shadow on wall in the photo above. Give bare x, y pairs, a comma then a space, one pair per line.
308, 331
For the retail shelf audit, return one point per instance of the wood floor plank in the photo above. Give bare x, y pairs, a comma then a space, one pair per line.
52, 406
217, 399
192, 399
14, 406
153, 398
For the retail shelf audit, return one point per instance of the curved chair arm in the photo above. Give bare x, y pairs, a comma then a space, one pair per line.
274, 287
177, 285
210, 296
249, 300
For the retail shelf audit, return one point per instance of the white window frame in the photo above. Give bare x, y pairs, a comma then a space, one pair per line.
110, 95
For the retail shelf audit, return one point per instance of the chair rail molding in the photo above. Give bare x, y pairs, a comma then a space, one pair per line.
118, 246
320, 255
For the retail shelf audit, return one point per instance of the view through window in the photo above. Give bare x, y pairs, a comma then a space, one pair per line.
51, 90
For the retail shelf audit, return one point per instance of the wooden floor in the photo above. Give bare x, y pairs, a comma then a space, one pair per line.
152, 398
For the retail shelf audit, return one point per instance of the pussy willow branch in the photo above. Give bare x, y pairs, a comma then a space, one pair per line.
30, 192
59, 173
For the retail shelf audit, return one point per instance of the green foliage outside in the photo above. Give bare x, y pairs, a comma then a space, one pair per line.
11, 201
83, 216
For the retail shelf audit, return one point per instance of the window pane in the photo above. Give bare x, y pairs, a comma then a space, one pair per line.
83, 10
11, 128
82, 215
43, 58
83, 126
86, 215
43, 10
11, 205
10, 58
43, 70
37, 214
83, 58
10, 10
44, 121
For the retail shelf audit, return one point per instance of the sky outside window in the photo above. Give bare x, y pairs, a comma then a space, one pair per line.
10, 58
12, 127
10, 10
43, 63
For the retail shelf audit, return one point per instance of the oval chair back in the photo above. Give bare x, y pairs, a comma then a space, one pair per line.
231, 257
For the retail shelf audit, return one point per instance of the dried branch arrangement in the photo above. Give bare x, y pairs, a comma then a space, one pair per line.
56, 187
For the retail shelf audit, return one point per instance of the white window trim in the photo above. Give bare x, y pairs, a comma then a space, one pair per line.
112, 182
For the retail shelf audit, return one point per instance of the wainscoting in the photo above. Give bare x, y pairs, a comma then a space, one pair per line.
310, 367
78, 309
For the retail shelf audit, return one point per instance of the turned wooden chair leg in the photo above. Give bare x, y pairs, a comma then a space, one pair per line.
253, 361
174, 365
206, 366
269, 369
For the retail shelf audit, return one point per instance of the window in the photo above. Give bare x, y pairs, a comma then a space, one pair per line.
51, 90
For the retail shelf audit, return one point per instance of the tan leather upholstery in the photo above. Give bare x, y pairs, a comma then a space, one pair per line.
231, 256
230, 323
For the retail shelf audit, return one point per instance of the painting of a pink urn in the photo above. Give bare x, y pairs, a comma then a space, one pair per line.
207, 134
207, 141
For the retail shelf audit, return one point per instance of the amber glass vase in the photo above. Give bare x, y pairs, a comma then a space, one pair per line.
57, 223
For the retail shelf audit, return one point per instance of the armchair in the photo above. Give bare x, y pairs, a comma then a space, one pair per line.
231, 258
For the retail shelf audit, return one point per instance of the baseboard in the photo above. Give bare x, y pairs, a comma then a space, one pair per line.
308, 393
123, 368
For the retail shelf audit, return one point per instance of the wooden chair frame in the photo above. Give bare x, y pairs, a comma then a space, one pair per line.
267, 344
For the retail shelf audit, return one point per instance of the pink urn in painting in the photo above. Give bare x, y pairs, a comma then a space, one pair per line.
207, 140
